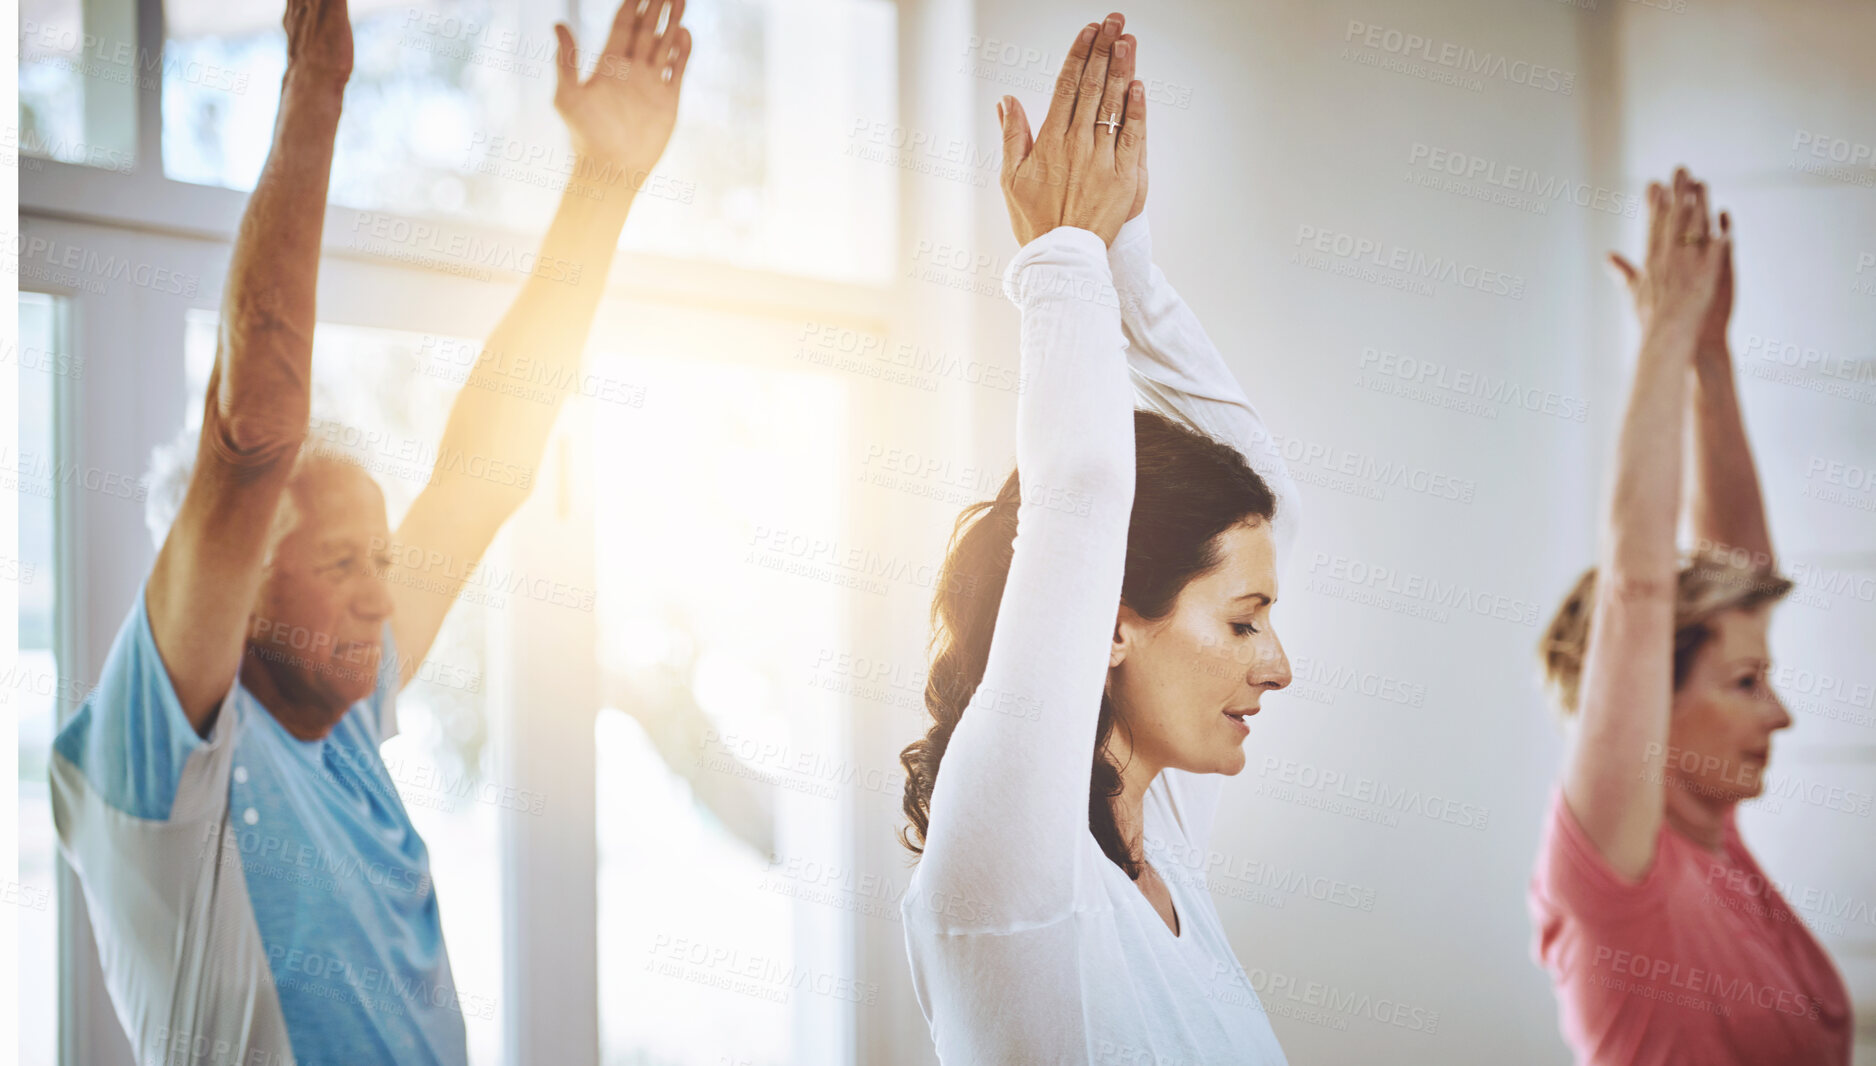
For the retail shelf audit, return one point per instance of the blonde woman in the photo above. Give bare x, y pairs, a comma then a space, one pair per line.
1665, 940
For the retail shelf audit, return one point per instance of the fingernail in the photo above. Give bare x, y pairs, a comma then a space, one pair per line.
1120, 50
1110, 28
1088, 33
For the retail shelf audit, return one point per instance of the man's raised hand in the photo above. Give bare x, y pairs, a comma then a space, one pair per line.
623, 113
319, 39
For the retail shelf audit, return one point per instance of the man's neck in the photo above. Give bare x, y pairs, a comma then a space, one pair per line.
298, 710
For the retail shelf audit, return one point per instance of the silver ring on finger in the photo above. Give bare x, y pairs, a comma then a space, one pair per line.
1112, 122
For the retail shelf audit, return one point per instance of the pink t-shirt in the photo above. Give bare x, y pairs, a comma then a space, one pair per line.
1701, 961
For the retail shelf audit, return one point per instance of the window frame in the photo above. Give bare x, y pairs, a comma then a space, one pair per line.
111, 419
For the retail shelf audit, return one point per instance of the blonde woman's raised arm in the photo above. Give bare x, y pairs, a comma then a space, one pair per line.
1723, 501
1613, 782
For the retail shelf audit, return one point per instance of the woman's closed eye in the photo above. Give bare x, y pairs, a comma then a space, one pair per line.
1243, 629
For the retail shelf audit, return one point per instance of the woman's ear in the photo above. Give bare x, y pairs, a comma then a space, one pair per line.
1126, 634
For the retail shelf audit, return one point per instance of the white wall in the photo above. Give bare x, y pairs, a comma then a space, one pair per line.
1271, 117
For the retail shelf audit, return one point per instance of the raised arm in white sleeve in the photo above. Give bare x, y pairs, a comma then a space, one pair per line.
1178, 372
1009, 810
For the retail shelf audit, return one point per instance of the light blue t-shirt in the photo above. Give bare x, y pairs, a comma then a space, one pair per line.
259, 900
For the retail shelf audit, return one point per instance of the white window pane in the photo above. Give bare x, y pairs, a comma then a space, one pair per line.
421, 99
773, 94
709, 644
449, 113
27, 390
79, 72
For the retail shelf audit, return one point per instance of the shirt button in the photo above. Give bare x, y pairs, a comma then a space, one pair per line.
250, 816
241, 775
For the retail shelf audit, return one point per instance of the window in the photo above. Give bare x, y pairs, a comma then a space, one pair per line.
707, 639
450, 113
430, 85
442, 121
28, 389
80, 71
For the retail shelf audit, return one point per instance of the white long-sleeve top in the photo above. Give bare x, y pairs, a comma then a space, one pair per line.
1028, 945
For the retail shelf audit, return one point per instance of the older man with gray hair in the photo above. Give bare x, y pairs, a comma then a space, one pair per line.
259, 894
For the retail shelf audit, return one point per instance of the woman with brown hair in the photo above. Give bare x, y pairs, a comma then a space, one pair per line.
1665, 940
1102, 636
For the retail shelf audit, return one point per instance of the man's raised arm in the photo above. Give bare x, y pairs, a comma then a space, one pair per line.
259, 393
620, 120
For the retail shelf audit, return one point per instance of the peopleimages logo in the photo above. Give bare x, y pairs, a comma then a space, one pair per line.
1524, 181
1284, 880
1809, 358
1409, 264
330, 970
43, 258
1431, 374
1459, 58
1372, 473
1368, 790
1275, 988
1673, 974
1836, 158
1420, 587
820, 343
1314, 671
61, 45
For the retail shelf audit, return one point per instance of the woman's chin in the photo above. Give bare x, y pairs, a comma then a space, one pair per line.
1215, 759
